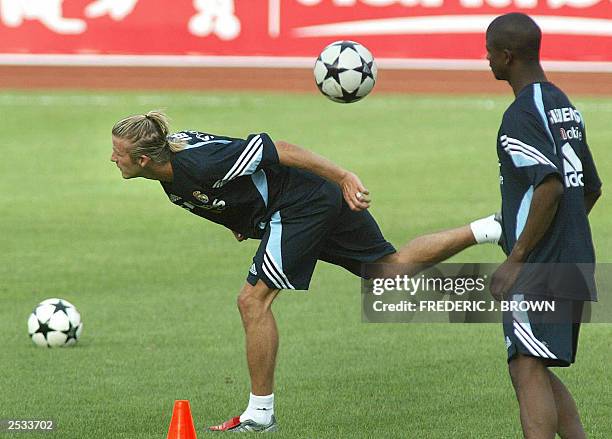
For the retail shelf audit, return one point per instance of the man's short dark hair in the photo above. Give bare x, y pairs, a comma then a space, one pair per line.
518, 33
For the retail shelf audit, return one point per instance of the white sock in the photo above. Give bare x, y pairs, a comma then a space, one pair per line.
260, 409
486, 230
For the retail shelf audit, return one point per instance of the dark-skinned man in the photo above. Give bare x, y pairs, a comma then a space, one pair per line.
549, 184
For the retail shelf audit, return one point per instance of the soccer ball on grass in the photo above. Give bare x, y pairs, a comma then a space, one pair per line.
345, 71
55, 323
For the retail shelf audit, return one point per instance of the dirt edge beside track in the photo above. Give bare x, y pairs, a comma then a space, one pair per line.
286, 79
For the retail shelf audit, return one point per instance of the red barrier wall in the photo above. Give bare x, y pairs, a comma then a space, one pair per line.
293, 30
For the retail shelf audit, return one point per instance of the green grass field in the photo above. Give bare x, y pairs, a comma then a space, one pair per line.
156, 286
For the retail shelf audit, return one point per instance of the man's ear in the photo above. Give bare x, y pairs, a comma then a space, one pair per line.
143, 161
508, 56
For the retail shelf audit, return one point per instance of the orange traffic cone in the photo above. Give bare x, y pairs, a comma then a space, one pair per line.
181, 424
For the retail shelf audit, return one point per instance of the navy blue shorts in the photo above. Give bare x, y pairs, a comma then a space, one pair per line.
319, 227
549, 335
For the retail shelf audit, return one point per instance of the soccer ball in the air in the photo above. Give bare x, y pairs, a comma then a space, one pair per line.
54, 323
345, 71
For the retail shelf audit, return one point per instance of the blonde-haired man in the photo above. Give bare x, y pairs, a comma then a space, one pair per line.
300, 205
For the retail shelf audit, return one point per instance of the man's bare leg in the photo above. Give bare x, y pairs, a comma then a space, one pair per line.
426, 250
434, 247
532, 384
255, 305
568, 420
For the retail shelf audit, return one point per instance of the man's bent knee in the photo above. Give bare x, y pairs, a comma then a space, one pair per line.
523, 366
255, 299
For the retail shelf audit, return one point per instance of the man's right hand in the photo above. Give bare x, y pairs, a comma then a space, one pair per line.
354, 192
239, 236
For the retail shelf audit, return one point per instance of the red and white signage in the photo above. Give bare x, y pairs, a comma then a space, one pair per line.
290, 32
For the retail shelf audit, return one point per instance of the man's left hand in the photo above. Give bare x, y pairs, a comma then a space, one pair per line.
504, 277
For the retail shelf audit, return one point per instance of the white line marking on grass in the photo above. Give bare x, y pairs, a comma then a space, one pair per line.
198, 61
167, 101
94, 100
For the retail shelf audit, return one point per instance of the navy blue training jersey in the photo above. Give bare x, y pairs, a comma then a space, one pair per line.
541, 134
238, 183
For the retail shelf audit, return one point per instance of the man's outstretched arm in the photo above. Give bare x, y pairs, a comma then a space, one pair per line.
353, 190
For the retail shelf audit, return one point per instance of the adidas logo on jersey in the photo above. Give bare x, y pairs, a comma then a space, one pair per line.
572, 167
253, 270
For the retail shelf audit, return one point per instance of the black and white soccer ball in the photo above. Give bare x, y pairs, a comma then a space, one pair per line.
55, 323
345, 71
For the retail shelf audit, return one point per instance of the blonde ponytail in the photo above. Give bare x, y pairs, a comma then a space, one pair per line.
148, 135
